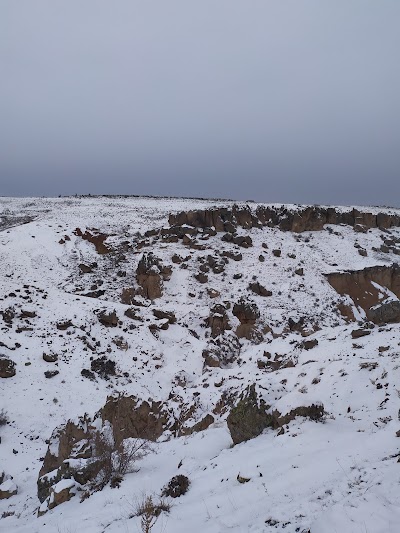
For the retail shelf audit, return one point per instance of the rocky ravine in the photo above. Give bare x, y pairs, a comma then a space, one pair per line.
259, 327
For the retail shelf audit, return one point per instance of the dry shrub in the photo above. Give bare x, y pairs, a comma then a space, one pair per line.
149, 511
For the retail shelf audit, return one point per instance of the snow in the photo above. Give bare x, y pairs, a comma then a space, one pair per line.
336, 475
8, 486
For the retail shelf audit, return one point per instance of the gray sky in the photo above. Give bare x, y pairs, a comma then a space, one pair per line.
285, 100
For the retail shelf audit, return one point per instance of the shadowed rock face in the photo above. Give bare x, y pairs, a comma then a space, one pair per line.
359, 285
131, 418
310, 218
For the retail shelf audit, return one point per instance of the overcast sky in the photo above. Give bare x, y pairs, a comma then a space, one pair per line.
275, 101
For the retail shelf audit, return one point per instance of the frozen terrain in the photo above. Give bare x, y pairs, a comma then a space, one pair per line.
65, 261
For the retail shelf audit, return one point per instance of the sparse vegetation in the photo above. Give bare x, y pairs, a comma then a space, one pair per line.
116, 460
149, 511
176, 487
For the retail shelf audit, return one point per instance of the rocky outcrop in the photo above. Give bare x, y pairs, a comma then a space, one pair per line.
165, 315
150, 275
129, 417
8, 489
312, 218
218, 320
385, 313
259, 289
368, 288
251, 415
96, 238
60, 493
109, 320
247, 312
7, 367
76, 458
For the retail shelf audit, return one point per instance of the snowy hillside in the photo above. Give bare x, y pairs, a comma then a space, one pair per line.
255, 347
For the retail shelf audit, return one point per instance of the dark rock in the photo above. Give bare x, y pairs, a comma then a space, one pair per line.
50, 357
51, 373
103, 367
128, 295
7, 367
387, 312
258, 289
8, 489
362, 285
132, 313
176, 259
236, 256
88, 374
276, 363
251, 416
168, 315
357, 333
27, 314
96, 238
62, 326
244, 241
201, 277
8, 315
85, 269
108, 319
309, 344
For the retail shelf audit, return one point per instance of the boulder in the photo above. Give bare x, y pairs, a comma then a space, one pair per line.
249, 417
60, 493
385, 313
357, 333
165, 315
109, 320
7, 489
50, 357
259, 289
7, 367
103, 367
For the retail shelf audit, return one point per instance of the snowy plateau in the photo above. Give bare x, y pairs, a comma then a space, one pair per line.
248, 354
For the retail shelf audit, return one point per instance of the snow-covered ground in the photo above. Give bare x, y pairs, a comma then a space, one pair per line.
337, 475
